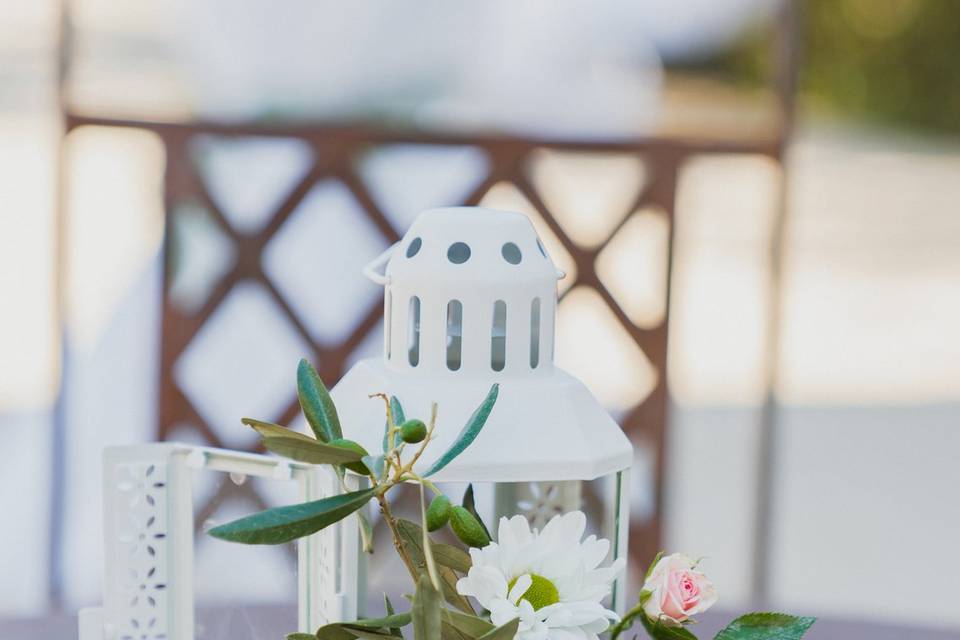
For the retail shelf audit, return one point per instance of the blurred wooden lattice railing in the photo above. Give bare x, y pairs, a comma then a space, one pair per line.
335, 152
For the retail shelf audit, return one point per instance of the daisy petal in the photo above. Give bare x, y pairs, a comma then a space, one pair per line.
519, 588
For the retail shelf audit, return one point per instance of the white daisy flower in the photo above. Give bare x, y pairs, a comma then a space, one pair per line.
549, 579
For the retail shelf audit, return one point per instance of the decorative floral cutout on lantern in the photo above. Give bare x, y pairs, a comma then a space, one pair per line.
142, 508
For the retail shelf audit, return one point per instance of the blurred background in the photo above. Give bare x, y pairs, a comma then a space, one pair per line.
756, 201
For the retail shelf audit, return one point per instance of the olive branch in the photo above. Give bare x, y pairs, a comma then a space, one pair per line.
433, 567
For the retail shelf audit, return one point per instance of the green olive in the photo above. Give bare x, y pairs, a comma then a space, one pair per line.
356, 467
468, 528
413, 431
438, 513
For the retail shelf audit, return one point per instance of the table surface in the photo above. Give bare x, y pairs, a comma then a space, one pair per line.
64, 627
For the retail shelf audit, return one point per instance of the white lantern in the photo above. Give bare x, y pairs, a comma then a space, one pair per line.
471, 300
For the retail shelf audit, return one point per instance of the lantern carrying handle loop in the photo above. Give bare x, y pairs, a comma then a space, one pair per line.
372, 269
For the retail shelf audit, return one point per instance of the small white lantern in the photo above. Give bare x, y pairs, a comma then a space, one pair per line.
471, 300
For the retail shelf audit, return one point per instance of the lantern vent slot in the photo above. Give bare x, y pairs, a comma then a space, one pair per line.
498, 336
413, 354
535, 333
454, 334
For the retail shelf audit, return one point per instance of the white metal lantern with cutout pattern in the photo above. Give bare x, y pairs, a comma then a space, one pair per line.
471, 300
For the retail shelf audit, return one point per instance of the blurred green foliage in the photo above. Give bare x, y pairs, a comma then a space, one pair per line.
891, 62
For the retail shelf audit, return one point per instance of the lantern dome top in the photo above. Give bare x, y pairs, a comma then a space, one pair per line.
470, 300
471, 246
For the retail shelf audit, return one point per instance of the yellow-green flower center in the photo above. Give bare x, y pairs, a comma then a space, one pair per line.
541, 592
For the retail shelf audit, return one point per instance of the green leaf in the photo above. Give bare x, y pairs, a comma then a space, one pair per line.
398, 416
470, 505
391, 620
341, 631
448, 555
766, 626
426, 611
333, 632
503, 632
366, 628
411, 536
283, 524
458, 625
366, 532
394, 631
427, 547
375, 464
301, 636
449, 632
469, 432
317, 404
398, 419
659, 631
290, 444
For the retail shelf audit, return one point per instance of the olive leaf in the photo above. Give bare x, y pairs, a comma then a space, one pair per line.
470, 505
339, 631
398, 418
460, 626
388, 606
390, 620
317, 404
469, 432
426, 611
766, 626
296, 446
283, 524
366, 628
376, 465
503, 632
450, 556
427, 547
366, 532
411, 536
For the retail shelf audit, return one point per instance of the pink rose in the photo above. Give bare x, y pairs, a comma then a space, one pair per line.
675, 590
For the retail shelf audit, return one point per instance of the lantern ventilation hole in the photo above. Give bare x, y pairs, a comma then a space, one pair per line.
543, 251
535, 333
511, 253
413, 350
498, 336
414, 247
388, 323
454, 334
458, 253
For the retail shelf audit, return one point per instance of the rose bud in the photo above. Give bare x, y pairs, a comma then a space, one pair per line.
675, 590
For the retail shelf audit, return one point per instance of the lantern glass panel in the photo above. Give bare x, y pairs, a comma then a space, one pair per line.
600, 499
244, 591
